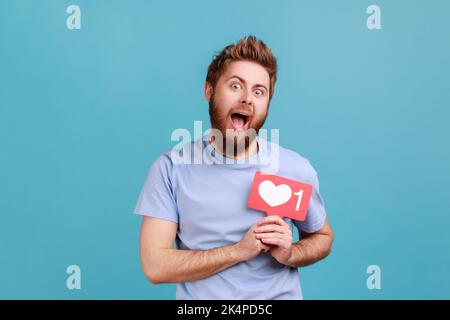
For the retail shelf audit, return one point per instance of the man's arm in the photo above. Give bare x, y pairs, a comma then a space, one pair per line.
312, 247
162, 263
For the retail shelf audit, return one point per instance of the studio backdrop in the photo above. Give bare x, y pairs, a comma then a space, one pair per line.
91, 92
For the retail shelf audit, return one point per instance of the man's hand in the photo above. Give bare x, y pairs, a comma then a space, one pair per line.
250, 247
274, 231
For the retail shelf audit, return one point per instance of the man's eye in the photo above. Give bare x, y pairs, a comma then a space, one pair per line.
236, 86
259, 92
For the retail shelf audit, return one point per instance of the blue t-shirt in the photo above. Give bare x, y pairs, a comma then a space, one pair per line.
207, 198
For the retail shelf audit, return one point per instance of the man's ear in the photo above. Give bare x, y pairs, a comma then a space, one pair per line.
208, 91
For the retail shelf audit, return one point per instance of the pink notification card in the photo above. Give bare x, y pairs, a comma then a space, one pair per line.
280, 196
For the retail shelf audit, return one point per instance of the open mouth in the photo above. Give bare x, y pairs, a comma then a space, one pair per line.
239, 120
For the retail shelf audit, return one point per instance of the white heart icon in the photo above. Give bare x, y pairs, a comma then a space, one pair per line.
274, 195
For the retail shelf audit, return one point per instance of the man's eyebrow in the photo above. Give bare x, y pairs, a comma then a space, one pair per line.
242, 80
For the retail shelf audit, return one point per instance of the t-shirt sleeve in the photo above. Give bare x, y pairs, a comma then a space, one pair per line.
316, 215
157, 198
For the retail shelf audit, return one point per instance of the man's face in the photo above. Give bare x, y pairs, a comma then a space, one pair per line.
239, 101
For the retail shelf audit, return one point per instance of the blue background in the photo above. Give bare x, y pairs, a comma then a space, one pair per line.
83, 114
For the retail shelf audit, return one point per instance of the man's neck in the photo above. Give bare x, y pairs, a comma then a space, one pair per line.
252, 149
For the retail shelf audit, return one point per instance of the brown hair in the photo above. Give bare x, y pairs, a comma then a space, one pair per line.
248, 48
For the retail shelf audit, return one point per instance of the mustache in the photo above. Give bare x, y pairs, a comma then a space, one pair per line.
242, 110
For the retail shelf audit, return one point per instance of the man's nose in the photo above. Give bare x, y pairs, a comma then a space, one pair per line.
247, 97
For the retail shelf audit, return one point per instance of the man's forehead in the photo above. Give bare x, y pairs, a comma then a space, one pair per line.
250, 72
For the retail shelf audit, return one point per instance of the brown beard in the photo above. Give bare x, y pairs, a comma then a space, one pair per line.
219, 122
